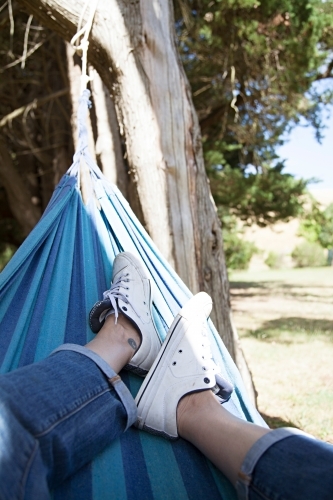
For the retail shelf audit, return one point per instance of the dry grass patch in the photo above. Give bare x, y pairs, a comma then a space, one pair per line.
285, 319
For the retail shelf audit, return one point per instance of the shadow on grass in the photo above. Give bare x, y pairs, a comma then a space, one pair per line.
249, 284
252, 289
276, 422
291, 329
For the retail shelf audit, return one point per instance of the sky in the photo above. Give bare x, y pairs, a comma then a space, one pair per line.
306, 158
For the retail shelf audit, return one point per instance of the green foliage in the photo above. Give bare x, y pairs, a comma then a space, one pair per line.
325, 236
308, 254
262, 198
252, 66
317, 225
274, 260
6, 253
238, 252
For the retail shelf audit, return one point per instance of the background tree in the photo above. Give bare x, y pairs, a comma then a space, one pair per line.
35, 133
245, 92
317, 227
138, 62
252, 66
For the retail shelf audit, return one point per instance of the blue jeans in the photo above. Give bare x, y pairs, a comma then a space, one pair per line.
287, 464
57, 414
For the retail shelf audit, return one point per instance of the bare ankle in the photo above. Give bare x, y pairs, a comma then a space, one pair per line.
124, 330
190, 409
116, 342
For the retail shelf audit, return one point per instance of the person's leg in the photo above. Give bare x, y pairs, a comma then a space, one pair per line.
261, 463
219, 435
116, 343
57, 414
176, 399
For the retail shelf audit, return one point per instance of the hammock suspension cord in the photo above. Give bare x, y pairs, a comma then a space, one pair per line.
84, 43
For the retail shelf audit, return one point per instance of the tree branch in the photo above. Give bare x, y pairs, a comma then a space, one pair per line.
327, 73
36, 102
212, 118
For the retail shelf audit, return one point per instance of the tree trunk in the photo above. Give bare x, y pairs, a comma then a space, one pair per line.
19, 197
108, 144
132, 47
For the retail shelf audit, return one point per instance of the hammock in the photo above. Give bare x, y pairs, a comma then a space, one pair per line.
46, 293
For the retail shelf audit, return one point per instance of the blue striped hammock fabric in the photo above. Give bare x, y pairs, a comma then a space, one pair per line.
46, 293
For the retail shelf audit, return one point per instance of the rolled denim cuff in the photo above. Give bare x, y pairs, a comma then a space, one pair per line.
114, 379
254, 455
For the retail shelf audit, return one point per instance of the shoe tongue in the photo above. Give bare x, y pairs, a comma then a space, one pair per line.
223, 388
105, 314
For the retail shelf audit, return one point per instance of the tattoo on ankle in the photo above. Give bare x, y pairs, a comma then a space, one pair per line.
132, 343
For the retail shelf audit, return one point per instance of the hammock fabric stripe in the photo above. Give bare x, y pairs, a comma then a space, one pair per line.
46, 292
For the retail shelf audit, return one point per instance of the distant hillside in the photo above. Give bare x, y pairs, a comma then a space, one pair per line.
282, 237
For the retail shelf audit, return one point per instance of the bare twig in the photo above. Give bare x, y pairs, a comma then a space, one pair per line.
3, 6
206, 87
20, 59
29, 138
36, 102
234, 93
25, 43
12, 25
37, 150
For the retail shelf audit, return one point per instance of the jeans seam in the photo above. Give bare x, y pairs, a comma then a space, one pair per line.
258, 491
27, 469
71, 413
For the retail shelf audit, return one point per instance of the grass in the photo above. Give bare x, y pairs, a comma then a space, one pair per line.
285, 320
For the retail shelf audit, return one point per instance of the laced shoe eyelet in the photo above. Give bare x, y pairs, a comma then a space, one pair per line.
124, 308
180, 350
206, 380
174, 363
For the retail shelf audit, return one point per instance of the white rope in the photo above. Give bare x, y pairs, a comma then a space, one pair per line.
84, 44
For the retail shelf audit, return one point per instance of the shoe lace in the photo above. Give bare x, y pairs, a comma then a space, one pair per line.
115, 293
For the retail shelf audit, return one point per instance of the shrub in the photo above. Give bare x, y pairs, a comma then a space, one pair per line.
238, 252
274, 260
309, 254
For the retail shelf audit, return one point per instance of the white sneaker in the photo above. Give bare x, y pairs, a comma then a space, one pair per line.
183, 365
130, 294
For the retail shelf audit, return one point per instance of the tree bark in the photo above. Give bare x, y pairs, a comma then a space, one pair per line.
19, 197
132, 47
108, 144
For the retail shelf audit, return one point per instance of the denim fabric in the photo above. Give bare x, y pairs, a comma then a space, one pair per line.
55, 416
114, 379
287, 464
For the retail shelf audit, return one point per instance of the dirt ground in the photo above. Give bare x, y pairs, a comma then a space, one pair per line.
285, 320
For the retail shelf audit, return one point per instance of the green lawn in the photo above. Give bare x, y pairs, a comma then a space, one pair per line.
285, 321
